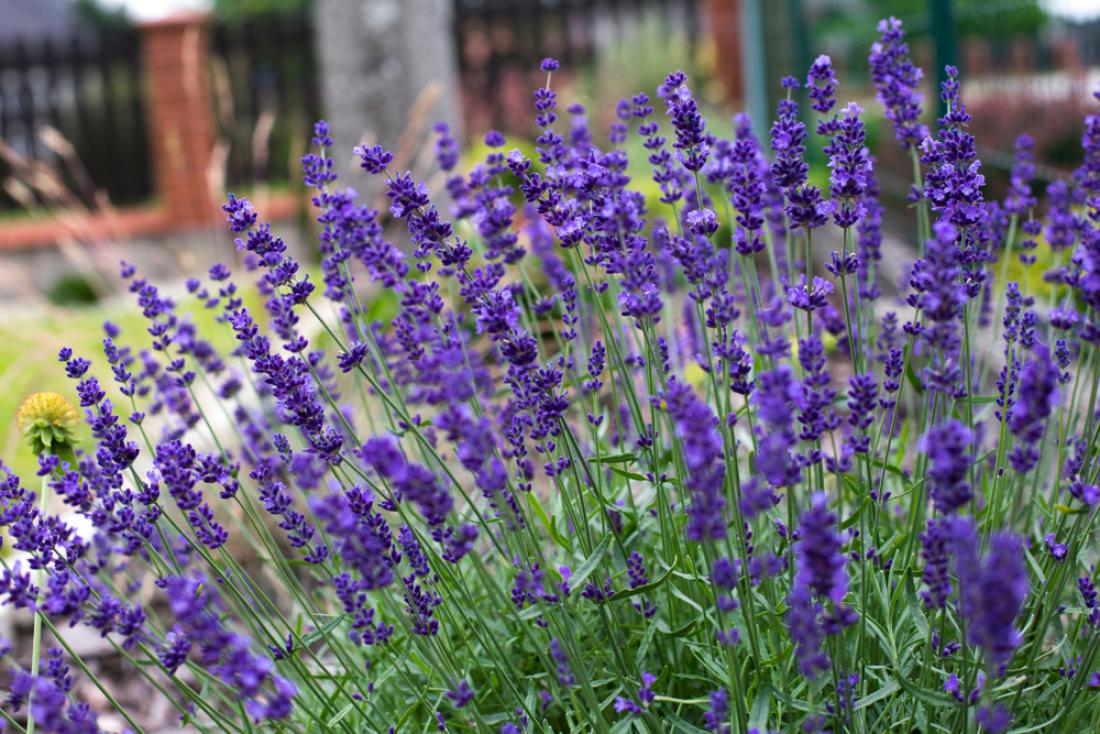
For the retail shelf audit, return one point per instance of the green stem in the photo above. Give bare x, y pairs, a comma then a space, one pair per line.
36, 639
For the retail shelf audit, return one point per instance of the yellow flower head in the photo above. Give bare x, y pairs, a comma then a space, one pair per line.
695, 375
48, 423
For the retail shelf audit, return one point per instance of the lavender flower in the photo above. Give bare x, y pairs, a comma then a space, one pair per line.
936, 574
1019, 200
1037, 395
452, 413
697, 429
851, 167
461, 694
954, 183
561, 660
897, 82
803, 623
747, 185
775, 399
950, 450
821, 562
717, 715
992, 590
788, 136
691, 141
821, 84
195, 607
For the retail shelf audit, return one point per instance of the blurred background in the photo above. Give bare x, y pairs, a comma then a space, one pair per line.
124, 122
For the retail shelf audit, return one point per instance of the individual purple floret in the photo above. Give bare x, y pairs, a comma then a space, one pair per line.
461, 694
717, 716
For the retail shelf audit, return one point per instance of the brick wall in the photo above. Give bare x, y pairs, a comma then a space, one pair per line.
175, 54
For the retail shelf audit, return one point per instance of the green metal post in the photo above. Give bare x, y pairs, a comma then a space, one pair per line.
943, 35
754, 64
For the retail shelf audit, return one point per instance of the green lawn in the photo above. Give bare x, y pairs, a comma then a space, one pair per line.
28, 356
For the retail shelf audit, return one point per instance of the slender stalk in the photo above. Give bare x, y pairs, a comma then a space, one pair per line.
36, 634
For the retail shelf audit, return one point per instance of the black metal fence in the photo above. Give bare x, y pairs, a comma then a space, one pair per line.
266, 96
264, 79
1023, 69
265, 89
500, 43
90, 90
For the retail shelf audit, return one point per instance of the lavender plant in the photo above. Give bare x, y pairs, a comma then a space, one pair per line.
605, 464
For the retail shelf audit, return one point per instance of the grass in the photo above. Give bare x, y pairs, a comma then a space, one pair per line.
28, 355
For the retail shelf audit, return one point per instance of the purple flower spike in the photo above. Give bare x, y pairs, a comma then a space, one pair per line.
1019, 198
697, 429
821, 84
691, 138
821, 562
897, 81
374, 159
992, 589
950, 450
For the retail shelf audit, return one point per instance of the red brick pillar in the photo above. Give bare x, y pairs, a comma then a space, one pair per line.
724, 19
175, 52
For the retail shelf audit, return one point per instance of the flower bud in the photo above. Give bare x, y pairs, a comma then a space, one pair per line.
48, 423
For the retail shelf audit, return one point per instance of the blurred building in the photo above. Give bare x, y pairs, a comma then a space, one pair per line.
38, 19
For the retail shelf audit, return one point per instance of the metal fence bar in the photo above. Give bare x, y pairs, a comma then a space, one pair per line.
272, 80
89, 89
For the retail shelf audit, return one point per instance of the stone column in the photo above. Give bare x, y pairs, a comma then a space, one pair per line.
175, 54
388, 73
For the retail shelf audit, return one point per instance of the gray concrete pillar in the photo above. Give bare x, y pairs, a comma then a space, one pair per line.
388, 73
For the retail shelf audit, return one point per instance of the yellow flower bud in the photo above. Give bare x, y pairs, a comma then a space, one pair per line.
48, 423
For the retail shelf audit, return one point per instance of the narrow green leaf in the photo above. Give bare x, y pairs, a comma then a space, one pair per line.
761, 705
627, 458
341, 715
546, 521
680, 631
628, 474
589, 565
645, 588
937, 700
319, 634
911, 375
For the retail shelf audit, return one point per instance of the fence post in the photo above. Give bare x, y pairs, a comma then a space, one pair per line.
754, 63
174, 57
943, 35
722, 16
